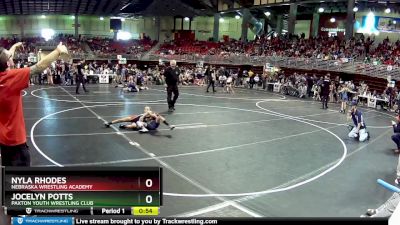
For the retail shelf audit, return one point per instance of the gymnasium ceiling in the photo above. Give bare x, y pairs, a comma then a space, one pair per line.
190, 8
106, 7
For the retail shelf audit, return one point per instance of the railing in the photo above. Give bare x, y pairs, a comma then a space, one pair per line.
350, 66
104, 56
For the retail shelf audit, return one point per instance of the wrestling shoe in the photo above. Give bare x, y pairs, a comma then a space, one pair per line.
143, 130
171, 127
107, 124
371, 212
397, 181
122, 126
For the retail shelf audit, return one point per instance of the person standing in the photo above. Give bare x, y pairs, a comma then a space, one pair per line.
80, 78
396, 136
14, 150
63, 78
124, 73
325, 92
344, 97
49, 74
229, 85
13, 147
67, 74
310, 83
171, 75
211, 77
396, 139
118, 78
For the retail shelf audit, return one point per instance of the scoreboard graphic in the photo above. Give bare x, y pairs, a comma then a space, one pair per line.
82, 191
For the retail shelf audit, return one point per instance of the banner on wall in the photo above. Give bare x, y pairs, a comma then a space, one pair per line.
381, 23
388, 24
328, 28
122, 61
200, 64
32, 59
269, 68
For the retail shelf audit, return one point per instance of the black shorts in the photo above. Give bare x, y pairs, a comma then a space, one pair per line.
15, 155
134, 119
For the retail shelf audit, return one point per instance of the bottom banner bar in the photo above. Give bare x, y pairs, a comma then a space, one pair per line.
48, 212
42, 221
121, 220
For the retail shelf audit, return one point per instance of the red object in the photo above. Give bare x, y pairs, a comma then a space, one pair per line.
226, 38
184, 35
97, 183
12, 123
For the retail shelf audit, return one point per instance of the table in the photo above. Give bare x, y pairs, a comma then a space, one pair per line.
372, 101
276, 86
104, 78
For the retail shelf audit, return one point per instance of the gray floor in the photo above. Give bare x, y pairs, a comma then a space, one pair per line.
274, 157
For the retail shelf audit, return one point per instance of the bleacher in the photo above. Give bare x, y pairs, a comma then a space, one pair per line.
184, 47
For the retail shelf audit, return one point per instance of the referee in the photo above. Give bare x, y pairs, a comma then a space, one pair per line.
325, 92
171, 75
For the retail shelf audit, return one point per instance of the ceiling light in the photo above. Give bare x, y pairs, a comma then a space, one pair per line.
123, 35
47, 34
321, 10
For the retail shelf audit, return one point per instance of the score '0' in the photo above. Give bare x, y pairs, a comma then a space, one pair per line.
149, 199
149, 183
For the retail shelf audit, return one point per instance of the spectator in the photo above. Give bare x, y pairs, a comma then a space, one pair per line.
14, 150
396, 137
